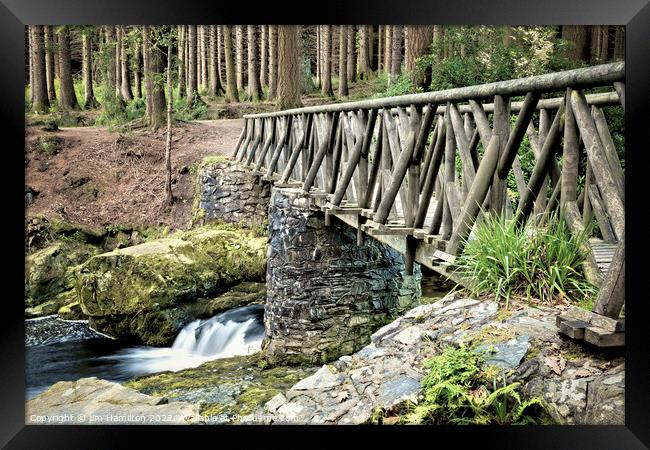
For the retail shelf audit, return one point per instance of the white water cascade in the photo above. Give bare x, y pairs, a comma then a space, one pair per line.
233, 333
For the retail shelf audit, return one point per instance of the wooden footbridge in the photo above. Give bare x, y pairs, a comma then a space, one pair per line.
416, 171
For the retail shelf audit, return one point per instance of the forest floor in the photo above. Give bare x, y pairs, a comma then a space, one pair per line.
99, 177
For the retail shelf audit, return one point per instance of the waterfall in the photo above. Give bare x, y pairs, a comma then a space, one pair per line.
239, 331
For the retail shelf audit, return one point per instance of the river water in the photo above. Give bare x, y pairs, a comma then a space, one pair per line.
60, 350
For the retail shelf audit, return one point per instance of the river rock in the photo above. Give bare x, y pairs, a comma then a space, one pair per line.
91, 401
49, 272
146, 293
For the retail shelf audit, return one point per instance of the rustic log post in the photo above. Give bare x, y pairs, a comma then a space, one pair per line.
373, 183
541, 168
517, 134
569, 181
463, 147
265, 146
240, 139
436, 220
574, 222
620, 90
598, 209
295, 152
477, 193
482, 123
353, 159
610, 149
322, 149
399, 171
612, 292
336, 158
600, 166
413, 197
284, 141
249, 125
586, 205
431, 174
501, 126
429, 152
449, 174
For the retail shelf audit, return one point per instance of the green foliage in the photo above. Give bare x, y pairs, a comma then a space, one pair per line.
540, 262
458, 392
402, 85
196, 111
49, 144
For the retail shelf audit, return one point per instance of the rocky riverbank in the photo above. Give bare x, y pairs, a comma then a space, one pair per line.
580, 385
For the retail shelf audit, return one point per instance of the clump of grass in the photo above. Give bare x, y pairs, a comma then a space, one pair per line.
543, 263
49, 144
457, 391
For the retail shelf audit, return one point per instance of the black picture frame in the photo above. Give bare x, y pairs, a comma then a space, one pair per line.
15, 14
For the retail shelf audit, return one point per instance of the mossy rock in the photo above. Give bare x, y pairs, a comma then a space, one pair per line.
148, 291
51, 306
49, 272
71, 311
229, 386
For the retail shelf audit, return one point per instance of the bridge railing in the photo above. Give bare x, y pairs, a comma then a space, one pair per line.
425, 165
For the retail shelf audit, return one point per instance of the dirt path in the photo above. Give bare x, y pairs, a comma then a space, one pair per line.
101, 177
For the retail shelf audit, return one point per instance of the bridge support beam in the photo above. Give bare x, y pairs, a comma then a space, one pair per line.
325, 294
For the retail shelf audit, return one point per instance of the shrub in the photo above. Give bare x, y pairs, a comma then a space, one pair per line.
49, 144
457, 391
541, 262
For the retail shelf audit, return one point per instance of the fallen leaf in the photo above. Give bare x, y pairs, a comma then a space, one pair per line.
556, 362
390, 420
343, 395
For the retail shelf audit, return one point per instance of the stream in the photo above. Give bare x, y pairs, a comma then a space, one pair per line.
59, 350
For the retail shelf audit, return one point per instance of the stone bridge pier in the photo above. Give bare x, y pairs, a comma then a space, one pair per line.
326, 294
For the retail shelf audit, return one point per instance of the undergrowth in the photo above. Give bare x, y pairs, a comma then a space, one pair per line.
541, 263
458, 391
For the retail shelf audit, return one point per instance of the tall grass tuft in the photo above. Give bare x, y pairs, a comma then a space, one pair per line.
538, 263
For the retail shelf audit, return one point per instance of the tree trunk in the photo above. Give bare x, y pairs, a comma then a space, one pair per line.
619, 42
364, 52
30, 54
419, 42
327, 61
137, 80
388, 48
110, 63
264, 57
578, 35
254, 88
232, 94
192, 87
204, 56
289, 68
181, 60
319, 57
87, 68
148, 86
155, 88
239, 31
49, 62
127, 94
352, 50
68, 99
169, 197
396, 53
215, 83
41, 102
380, 49
55, 52
343, 64
118, 62
220, 57
273, 61
599, 43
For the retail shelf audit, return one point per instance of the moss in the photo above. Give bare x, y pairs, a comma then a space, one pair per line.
49, 144
50, 271
492, 334
213, 159
249, 386
71, 311
148, 291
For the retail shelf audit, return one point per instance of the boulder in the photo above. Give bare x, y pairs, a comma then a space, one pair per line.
91, 401
148, 292
50, 272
